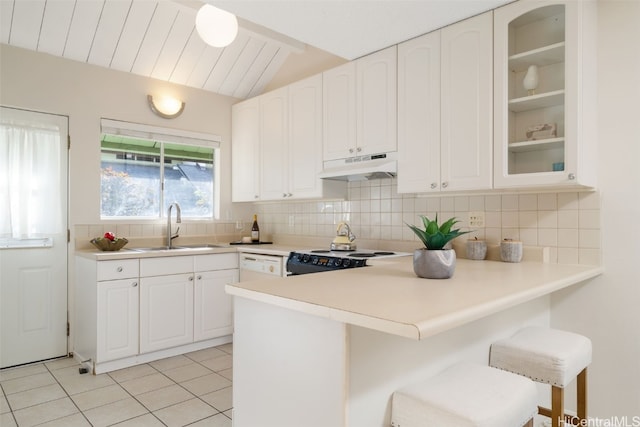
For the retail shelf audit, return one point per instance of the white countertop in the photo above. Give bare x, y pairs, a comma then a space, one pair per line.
388, 297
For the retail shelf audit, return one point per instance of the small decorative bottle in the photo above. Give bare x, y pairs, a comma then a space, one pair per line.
255, 230
530, 81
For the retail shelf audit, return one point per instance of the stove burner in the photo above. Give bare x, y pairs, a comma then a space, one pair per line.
353, 254
370, 254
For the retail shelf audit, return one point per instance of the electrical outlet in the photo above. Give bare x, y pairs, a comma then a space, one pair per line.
476, 219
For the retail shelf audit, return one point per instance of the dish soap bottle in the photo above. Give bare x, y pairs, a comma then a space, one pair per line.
255, 230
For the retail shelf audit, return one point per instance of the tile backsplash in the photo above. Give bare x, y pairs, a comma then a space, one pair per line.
567, 222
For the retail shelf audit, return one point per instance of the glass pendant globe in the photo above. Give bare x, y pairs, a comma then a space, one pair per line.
216, 27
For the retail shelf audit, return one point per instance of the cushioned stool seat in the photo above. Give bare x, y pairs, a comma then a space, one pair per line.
548, 356
466, 395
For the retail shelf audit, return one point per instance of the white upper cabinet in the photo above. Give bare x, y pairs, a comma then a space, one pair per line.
245, 151
545, 94
277, 145
305, 138
376, 78
274, 134
445, 108
419, 114
360, 106
339, 112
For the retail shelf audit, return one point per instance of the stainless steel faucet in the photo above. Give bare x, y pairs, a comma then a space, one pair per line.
170, 237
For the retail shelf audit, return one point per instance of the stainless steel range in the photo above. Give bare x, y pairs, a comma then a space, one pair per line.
317, 261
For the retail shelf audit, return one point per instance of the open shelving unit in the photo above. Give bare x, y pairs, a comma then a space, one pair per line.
536, 38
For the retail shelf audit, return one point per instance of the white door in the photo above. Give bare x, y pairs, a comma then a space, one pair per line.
33, 236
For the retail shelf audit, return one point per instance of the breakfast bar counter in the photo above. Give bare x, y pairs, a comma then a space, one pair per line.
389, 297
329, 349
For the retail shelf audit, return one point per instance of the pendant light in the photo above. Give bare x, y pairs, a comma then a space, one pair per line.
216, 27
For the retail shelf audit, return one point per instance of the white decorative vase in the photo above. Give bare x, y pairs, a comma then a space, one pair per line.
476, 249
434, 264
511, 251
530, 81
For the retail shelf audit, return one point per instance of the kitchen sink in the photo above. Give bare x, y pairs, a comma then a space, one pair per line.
178, 247
202, 246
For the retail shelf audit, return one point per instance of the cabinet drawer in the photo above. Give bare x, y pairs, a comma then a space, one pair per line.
216, 262
117, 269
166, 265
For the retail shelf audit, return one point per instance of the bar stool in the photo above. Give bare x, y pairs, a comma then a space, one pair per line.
467, 395
548, 356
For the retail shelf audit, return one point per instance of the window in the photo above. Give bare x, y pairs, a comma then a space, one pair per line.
144, 169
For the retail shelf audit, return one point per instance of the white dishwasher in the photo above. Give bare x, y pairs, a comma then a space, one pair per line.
256, 267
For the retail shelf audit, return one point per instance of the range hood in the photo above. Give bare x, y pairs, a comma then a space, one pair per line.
361, 168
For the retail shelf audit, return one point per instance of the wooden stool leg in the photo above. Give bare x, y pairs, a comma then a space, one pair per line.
582, 394
529, 423
557, 406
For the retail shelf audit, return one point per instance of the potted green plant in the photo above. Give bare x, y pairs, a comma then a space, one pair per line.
434, 261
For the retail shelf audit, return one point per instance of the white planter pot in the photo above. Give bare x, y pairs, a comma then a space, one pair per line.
434, 264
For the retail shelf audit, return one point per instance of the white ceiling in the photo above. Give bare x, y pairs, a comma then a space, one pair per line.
157, 38
152, 38
354, 28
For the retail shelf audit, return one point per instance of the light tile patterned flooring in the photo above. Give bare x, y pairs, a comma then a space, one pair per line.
193, 389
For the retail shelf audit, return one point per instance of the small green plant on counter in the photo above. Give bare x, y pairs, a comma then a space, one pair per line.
435, 236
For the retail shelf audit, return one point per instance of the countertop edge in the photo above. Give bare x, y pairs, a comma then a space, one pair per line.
395, 328
419, 330
444, 323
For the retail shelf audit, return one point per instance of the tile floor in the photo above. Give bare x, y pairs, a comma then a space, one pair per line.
193, 389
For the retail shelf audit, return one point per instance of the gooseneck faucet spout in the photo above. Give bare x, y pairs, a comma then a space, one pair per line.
170, 236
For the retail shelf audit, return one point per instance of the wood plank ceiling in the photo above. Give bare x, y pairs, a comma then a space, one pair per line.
151, 38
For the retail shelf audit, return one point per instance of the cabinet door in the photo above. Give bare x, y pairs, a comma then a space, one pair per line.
245, 150
419, 114
339, 112
117, 319
213, 313
376, 100
274, 144
305, 138
550, 36
467, 100
166, 311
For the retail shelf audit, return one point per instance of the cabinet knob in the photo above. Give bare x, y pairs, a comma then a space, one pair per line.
359, 149
119, 269
351, 150
572, 176
445, 184
199, 277
434, 185
134, 284
191, 278
289, 194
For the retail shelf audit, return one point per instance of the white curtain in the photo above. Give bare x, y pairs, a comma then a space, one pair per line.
30, 180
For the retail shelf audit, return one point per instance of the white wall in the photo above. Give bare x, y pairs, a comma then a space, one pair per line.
608, 308
87, 93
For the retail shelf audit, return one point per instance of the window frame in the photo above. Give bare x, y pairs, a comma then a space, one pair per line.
167, 136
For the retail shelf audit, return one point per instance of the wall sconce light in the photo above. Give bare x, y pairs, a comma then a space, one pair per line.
165, 106
216, 27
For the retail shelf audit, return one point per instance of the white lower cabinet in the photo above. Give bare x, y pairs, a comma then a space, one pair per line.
133, 311
166, 311
117, 319
213, 313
